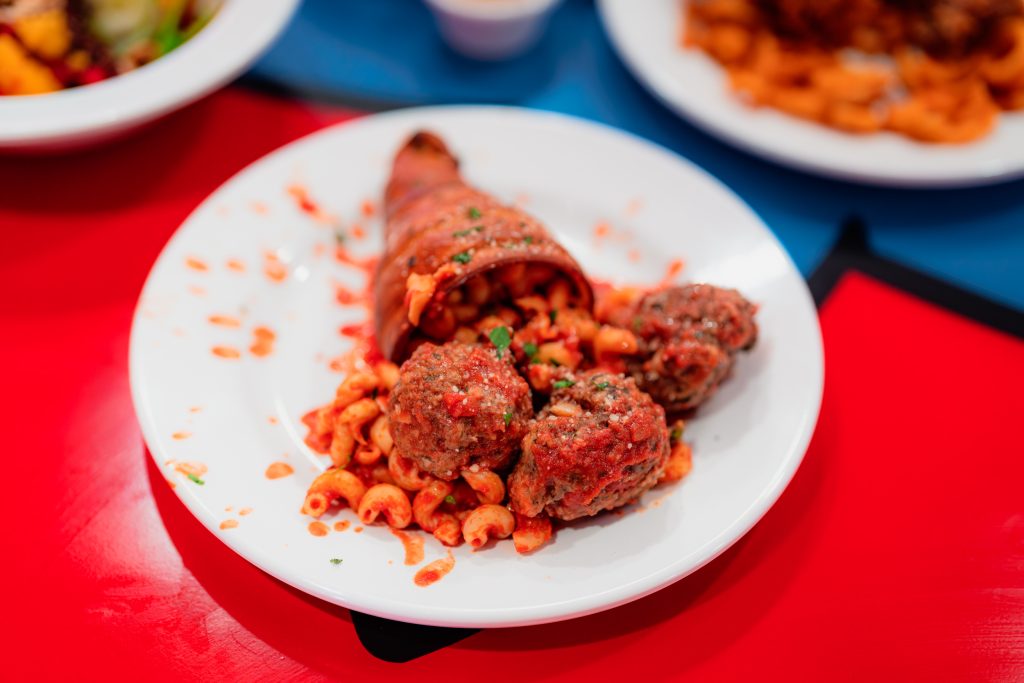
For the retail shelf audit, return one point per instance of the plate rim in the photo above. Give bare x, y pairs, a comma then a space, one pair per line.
1000, 173
514, 616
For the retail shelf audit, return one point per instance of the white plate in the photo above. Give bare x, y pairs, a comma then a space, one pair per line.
645, 34
748, 440
79, 117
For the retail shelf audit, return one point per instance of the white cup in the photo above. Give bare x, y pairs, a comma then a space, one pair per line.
491, 29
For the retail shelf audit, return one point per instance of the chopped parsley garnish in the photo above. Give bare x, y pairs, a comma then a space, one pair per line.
501, 339
535, 361
553, 314
339, 237
473, 212
601, 385
530, 349
508, 419
638, 322
463, 233
195, 478
450, 499
528, 239
335, 560
554, 362
562, 383
522, 224
462, 257
676, 434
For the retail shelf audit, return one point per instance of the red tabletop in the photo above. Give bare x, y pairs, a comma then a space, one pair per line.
896, 553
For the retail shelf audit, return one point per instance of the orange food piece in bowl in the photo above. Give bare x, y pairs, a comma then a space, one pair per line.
20, 74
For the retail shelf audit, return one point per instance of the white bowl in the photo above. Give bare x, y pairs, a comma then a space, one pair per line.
88, 115
491, 29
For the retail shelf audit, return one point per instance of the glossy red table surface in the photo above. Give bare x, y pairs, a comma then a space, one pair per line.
897, 553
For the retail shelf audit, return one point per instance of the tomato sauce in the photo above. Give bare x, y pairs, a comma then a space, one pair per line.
413, 546
195, 469
273, 268
279, 469
672, 272
224, 321
309, 207
263, 342
435, 571
226, 352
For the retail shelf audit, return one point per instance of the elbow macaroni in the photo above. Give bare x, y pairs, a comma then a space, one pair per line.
488, 486
531, 532
389, 500
333, 484
487, 521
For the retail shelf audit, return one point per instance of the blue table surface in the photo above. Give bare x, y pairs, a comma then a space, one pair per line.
382, 54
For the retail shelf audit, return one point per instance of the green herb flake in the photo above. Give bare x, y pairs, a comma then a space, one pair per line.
339, 237
470, 231
554, 362
602, 385
553, 314
450, 499
473, 212
638, 322
195, 479
508, 419
462, 257
528, 239
501, 339
522, 224
535, 361
676, 434
563, 383
336, 560
530, 349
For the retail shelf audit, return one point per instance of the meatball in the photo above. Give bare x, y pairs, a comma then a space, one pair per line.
457, 406
688, 337
598, 444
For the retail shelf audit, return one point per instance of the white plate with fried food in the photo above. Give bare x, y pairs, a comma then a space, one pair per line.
256, 311
648, 38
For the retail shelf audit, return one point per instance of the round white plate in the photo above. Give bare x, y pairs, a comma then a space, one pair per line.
646, 36
748, 440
